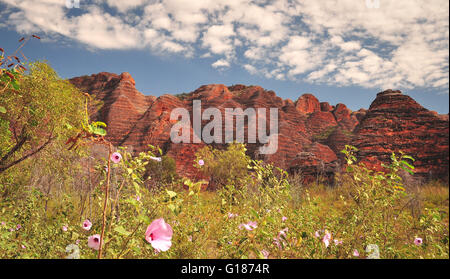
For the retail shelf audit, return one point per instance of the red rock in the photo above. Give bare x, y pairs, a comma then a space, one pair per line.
318, 122
307, 103
311, 134
394, 123
317, 161
325, 106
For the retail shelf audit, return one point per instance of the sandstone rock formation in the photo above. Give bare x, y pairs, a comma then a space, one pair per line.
395, 122
311, 133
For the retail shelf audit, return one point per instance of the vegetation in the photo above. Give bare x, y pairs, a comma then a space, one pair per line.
82, 198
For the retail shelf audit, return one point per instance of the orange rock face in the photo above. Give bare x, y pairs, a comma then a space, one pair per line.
308, 103
394, 123
310, 135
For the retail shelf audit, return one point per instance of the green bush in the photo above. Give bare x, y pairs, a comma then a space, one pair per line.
225, 167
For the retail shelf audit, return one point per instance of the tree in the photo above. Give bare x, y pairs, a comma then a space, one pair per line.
41, 110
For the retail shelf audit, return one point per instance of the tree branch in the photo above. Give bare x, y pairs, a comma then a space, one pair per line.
3, 168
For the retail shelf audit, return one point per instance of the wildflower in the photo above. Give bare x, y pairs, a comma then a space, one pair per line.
317, 234
201, 162
116, 157
283, 219
87, 225
277, 242
337, 242
249, 226
18, 227
326, 239
3, 223
138, 198
77, 242
190, 238
265, 254
23, 246
159, 235
282, 233
418, 241
94, 241
355, 253
64, 228
232, 215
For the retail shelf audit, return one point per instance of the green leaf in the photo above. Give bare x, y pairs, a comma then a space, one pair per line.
98, 131
15, 85
171, 194
122, 231
254, 213
99, 124
407, 164
2, 109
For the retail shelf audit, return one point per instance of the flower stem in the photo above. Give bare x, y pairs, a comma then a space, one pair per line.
105, 205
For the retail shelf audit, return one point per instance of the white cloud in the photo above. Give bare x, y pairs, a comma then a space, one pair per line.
218, 39
403, 43
221, 63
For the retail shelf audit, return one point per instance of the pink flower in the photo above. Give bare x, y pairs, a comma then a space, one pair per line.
87, 225
232, 215
94, 241
138, 198
355, 253
64, 228
3, 223
115, 157
283, 219
201, 162
249, 226
282, 233
23, 246
159, 235
317, 234
265, 254
77, 242
418, 241
18, 227
337, 242
326, 239
279, 241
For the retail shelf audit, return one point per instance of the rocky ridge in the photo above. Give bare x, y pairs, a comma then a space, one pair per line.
311, 133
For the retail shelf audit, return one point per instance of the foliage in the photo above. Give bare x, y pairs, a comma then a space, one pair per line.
38, 114
225, 167
259, 220
162, 173
257, 210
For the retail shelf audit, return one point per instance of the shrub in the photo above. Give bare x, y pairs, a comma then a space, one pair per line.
225, 167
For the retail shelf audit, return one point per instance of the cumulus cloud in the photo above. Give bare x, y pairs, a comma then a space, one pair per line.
221, 63
400, 44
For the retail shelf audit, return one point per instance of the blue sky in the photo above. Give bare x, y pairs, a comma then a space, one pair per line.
341, 55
